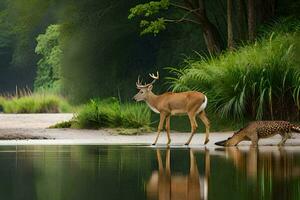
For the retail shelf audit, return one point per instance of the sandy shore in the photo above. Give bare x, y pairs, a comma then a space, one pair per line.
30, 129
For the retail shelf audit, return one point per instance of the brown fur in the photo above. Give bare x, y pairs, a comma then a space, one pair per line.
170, 103
163, 185
261, 129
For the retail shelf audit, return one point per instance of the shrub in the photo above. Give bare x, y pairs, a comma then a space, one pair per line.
2, 100
258, 81
111, 113
35, 103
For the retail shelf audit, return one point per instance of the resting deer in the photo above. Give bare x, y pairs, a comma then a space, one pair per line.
191, 103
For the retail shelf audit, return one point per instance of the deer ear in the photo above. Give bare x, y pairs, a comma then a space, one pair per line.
150, 87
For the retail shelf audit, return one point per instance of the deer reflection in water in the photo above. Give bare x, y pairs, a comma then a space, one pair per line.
276, 163
274, 172
162, 185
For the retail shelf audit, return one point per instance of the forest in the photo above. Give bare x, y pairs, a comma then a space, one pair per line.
241, 53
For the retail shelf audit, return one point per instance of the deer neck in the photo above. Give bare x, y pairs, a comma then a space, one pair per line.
152, 102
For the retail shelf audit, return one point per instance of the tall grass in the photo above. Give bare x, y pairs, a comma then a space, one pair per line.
34, 103
260, 80
111, 113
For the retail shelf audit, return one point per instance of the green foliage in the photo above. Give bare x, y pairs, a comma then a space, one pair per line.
147, 10
153, 26
103, 53
280, 26
20, 23
49, 66
6, 33
2, 100
36, 103
259, 81
111, 113
64, 124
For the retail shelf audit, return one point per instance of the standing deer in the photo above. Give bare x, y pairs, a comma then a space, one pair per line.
163, 185
191, 103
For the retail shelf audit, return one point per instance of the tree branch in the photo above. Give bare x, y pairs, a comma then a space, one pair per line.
189, 3
181, 20
180, 6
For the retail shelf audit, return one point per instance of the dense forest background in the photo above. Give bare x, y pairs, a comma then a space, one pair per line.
90, 48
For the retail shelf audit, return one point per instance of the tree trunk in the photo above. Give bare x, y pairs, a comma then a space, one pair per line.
240, 20
211, 38
251, 19
229, 25
210, 32
266, 10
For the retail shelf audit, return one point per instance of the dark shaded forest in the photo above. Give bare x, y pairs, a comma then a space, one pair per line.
96, 51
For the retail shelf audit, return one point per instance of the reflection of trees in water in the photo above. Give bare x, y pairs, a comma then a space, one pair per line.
15, 169
74, 172
275, 173
163, 185
113, 172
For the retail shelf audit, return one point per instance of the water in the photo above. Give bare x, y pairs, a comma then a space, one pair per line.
136, 172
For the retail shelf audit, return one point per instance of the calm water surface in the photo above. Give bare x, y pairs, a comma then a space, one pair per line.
134, 172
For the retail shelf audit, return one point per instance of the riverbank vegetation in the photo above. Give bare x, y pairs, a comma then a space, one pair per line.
255, 81
35, 103
110, 113
70, 52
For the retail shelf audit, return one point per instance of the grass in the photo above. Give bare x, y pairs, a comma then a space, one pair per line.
34, 103
256, 81
109, 113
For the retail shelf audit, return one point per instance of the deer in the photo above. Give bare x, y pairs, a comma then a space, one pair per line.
189, 103
165, 185
255, 162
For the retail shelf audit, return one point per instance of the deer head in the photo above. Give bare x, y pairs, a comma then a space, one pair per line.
145, 90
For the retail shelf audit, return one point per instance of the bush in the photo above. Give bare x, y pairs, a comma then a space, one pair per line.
35, 103
260, 81
111, 113
2, 100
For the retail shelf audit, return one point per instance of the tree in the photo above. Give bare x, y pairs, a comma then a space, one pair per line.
191, 11
20, 23
49, 66
241, 18
229, 25
251, 19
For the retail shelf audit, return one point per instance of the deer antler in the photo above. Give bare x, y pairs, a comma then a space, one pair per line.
139, 84
154, 78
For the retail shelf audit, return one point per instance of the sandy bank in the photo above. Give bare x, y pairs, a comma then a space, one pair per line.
22, 129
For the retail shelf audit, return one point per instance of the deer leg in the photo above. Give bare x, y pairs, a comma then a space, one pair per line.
160, 127
207, 170
193, 164
159, 160
168, 129
168, 165
290, 136
193, 126
254, 140
206, 122
284, 138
